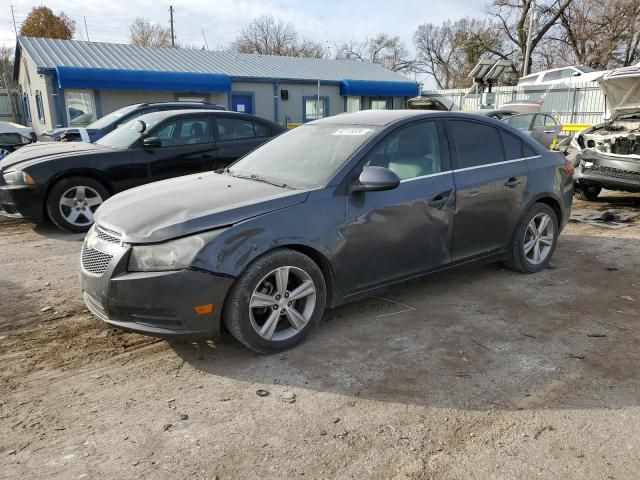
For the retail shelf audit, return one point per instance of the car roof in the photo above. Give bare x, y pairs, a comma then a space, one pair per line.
373, 117
164, 114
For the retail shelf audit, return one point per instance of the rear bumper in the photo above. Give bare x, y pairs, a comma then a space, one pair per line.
613, 173
160, 304
22, 201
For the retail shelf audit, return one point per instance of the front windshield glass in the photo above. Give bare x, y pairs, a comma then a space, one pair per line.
126, 135
112, 117
304, 157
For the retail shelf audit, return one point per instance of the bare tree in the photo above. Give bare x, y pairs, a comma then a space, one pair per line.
382, 49
6, 67
447, 52
143, 33
600, 35
512, 17
268, 35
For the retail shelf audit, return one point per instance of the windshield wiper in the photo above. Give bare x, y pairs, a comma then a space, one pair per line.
257, 178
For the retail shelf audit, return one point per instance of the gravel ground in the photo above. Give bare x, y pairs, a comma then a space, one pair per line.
478, 374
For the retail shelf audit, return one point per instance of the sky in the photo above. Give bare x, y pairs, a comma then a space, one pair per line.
325, 21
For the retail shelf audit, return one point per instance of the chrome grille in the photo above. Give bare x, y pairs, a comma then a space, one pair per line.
95, 261
107, 235
612, 172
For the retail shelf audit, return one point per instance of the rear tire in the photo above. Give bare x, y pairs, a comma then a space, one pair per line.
588, 194
535, 240
72, 202
276, 302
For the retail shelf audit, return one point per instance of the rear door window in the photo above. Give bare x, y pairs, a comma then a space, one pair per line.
522, 122
235, 128
476, 143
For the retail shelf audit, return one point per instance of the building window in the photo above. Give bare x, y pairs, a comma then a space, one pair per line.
40, 106
314, 108
81, 110
353, 104
27, 108
381, 103
193, 98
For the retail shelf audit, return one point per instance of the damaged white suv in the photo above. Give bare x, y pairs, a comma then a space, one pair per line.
608, 154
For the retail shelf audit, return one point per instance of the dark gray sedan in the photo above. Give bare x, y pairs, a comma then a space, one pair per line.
329, 212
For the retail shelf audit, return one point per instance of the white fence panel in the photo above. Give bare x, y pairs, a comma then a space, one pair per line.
577, 103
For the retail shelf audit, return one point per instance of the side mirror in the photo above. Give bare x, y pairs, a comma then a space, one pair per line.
152, 142
376, 179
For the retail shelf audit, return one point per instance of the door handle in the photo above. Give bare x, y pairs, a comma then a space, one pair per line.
548, 132
440, 200
513, 182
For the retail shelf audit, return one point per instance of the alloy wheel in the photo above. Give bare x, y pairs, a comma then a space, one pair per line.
538, 238
78, 204
282, 304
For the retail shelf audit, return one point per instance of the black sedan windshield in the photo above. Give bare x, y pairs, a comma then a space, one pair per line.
305, 157
112, 117
127, 134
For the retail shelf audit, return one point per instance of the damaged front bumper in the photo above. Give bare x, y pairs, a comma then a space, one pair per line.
613, 172
162, 304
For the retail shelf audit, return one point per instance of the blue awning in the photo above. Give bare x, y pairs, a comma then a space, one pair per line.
376, 88
113, 79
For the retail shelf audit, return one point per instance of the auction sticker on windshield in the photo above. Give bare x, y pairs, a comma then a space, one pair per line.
352, 131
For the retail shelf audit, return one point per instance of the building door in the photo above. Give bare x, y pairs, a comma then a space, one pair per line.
241, 103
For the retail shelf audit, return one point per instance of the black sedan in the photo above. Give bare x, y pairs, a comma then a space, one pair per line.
107, 124
66, 182
321, 215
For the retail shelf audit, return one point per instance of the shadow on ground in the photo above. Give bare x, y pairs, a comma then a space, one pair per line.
486, 338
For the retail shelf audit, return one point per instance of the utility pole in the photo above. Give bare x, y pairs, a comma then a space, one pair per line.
13, 15
533, 13
173, 37
85, 28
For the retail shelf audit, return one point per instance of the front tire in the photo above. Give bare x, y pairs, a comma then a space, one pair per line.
535, 239
72, 202
588, 193
276, 302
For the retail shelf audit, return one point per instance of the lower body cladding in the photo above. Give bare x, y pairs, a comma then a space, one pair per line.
612, 173
178, 304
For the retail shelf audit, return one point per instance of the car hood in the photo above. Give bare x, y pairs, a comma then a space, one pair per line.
621, 88
44, 151
187, 205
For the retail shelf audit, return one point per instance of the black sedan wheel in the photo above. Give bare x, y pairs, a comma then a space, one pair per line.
535, 239
276, 302
72, 202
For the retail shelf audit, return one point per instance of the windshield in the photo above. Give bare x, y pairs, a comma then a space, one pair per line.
128, 134
112, 117
305, 157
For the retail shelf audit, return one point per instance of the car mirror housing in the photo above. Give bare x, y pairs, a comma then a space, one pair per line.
152, 142
376, 179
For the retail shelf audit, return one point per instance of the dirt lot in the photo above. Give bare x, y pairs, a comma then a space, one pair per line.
483, 374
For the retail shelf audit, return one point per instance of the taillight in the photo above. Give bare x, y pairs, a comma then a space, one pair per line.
568, 166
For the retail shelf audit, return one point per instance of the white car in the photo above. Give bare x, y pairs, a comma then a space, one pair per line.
575, 74
14, 136
607, 155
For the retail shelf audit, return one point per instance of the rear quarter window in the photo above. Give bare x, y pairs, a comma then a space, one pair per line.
476, 143
513, 146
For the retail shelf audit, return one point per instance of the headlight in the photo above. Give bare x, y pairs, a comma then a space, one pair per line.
574, 143
18, 178
174, 255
